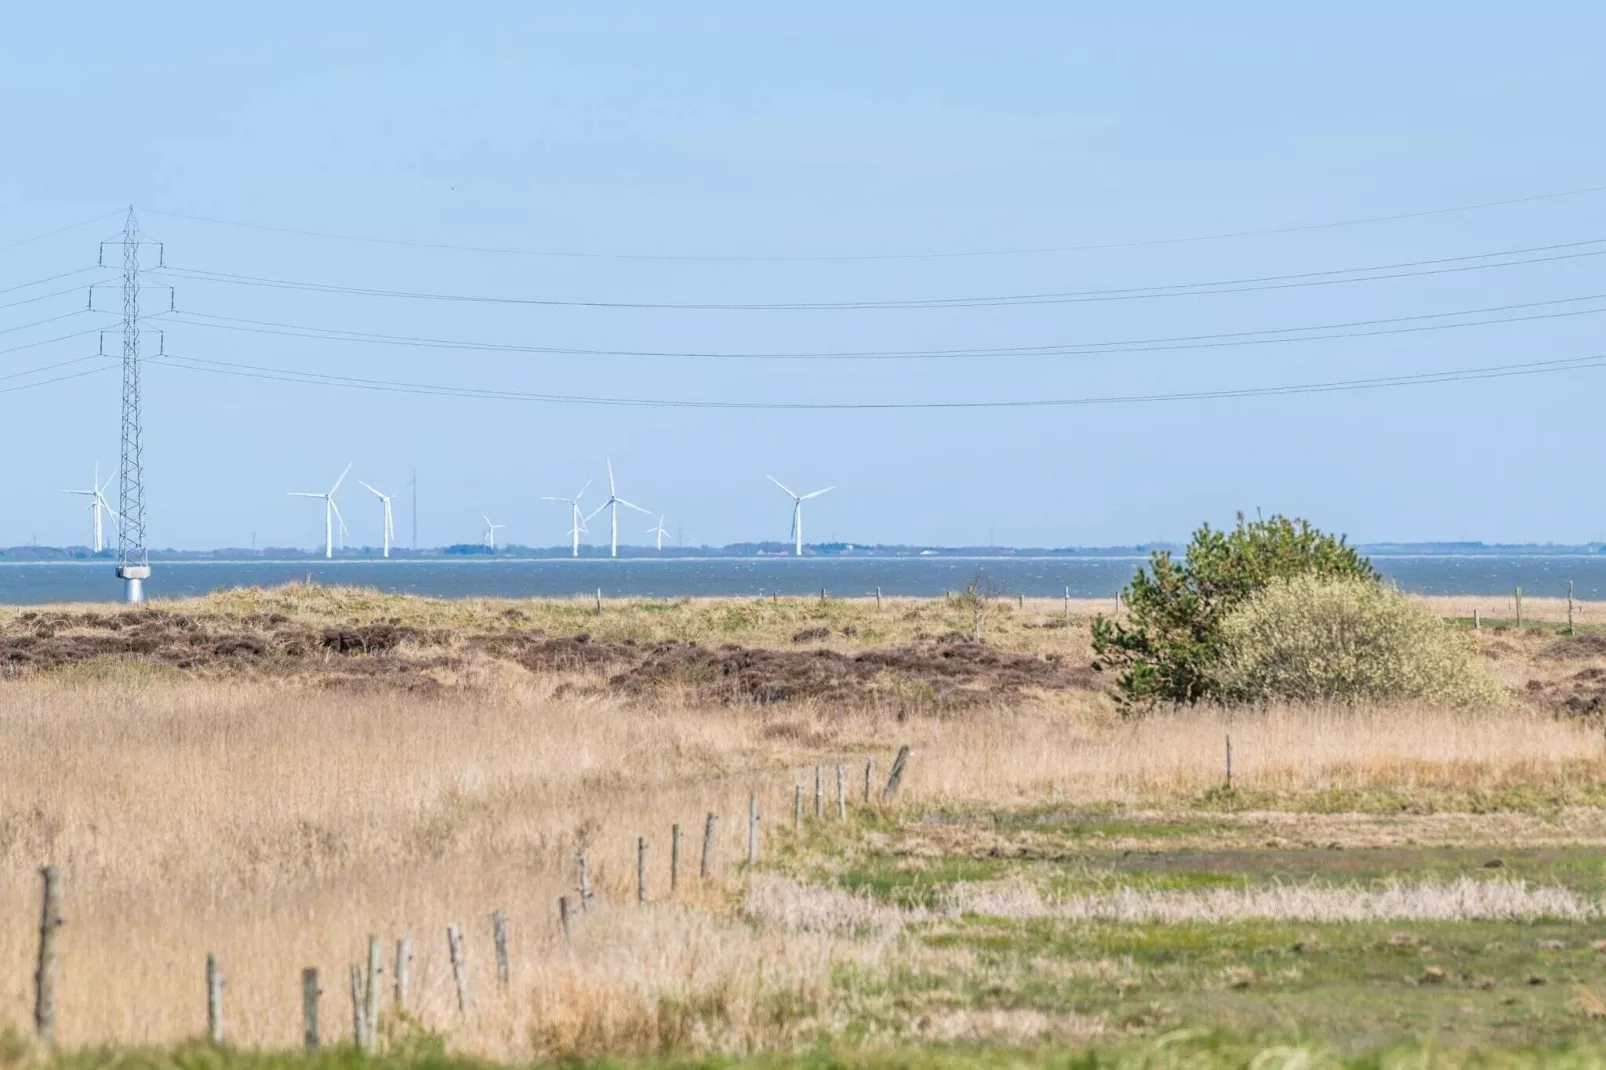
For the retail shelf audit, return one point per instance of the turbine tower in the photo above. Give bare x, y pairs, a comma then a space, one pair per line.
490, 533
390, 522
98, 506
331, 511
577, 522
659, 532
797, 511
612, 505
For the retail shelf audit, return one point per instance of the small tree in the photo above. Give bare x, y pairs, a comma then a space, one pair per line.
1170, 648
978, 597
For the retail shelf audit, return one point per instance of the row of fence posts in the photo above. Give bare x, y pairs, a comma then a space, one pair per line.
1516, 597
364, 979
1020, 599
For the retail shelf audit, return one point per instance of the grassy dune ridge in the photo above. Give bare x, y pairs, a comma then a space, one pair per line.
1051, 874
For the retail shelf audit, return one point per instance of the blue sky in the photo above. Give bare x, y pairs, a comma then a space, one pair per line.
831, 129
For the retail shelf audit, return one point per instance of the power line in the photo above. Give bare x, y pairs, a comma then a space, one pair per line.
1093, 247
1272, 336
41, 323
52, 367
65, 337
252, 371
1328, 277
51, 278
44, 297
58, 230
57, 379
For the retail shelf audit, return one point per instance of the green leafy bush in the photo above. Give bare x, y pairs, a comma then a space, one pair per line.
1169, 648
1314, 639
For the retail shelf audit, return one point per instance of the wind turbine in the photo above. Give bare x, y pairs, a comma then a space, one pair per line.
577, 522
390, 525
797, 511
97, 503
331, 511
659, 532
490, 533
612, 504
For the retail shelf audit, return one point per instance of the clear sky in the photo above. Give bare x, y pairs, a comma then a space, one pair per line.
825, 130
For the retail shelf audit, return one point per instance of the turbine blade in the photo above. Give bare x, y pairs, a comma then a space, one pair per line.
778, 483
610, 477
632, 505
817, 493
342, 478
306, 494
581, 492
338, 517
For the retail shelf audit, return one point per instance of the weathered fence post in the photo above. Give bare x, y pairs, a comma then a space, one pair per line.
674, 858
499, 938
599, 599
1477, 623
44, 978
1229, 759
1067, 603
359, 1028
797, 809
819, 794
1519, 607
710, 827
309, 1009
878, 598
585, 882
841, 792
869, 775
563, 916
1570, 607
895, 779
752, 828
641, 869
214, 1000
454, 947
404, 970
370, 994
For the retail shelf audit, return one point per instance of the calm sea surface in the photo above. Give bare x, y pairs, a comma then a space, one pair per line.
1034, 577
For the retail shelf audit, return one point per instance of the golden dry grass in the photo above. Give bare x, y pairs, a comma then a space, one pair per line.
279, 826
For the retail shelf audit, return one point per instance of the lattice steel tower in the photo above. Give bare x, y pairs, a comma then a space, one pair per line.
133, 561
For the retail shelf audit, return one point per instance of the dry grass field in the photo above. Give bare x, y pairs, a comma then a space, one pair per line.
271, 777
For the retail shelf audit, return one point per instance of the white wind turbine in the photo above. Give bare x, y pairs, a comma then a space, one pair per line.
659, 532
612, 505
390, 524
490, 532
98, 505
577, 522
797, 511
331, 511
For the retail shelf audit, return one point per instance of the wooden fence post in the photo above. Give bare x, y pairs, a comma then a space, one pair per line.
841, 792
404, 970
1229, 760
585, 882
599, 599
214, 1000
752, 828
869, 775
878, 598
1067, 603
309, 1009
895, 779
454, 947
1570, 607
1477, 624
710, 827
641, 869
499, 938
819, 794
1519, 607
358, 1028
44, 978
370, 995
563, 916
797, 808
674, 858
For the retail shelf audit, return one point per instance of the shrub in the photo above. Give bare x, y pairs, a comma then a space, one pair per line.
1169, 648
1314, 639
